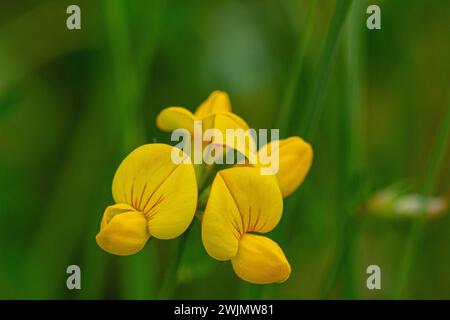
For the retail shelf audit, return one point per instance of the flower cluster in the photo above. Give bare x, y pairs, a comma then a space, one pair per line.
155, 197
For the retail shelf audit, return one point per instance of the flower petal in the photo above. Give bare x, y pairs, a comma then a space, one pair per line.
217, 101
295, 159
165, 192
172, 118
174, 210
124, 233
260, 260
241, 141
257, 197
221, 224
113, 210
241, 200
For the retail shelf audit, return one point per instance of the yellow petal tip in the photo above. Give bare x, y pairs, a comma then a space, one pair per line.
260, 261
123, 233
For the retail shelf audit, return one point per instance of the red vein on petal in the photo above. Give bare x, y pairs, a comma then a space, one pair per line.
257, 219
142, 194
235, 202
157, 187
157, 202
249, 218
132, 204
234, 223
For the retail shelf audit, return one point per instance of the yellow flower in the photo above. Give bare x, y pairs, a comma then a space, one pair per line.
172, 118
213, 113
295, 159
241, 202
154, 197
295, 154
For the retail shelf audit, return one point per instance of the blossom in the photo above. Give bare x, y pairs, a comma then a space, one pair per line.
154, 197
242, 202
295, 159
213, 113
218, 102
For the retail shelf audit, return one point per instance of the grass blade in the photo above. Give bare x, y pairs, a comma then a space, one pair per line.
416, 230
314, 107
287, 104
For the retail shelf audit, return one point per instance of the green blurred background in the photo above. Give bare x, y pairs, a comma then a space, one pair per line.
372, 102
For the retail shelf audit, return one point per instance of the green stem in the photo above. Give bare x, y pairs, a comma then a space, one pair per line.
205, 177
416, 230
170, 280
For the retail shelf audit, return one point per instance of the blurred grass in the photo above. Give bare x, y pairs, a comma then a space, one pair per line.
314, 105
414, 240
74, 103
292, 87
351, 173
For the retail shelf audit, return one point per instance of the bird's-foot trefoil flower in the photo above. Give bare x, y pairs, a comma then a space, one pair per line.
212, 114
218, 102
294, 158
289, 159
242, 203
154, 198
